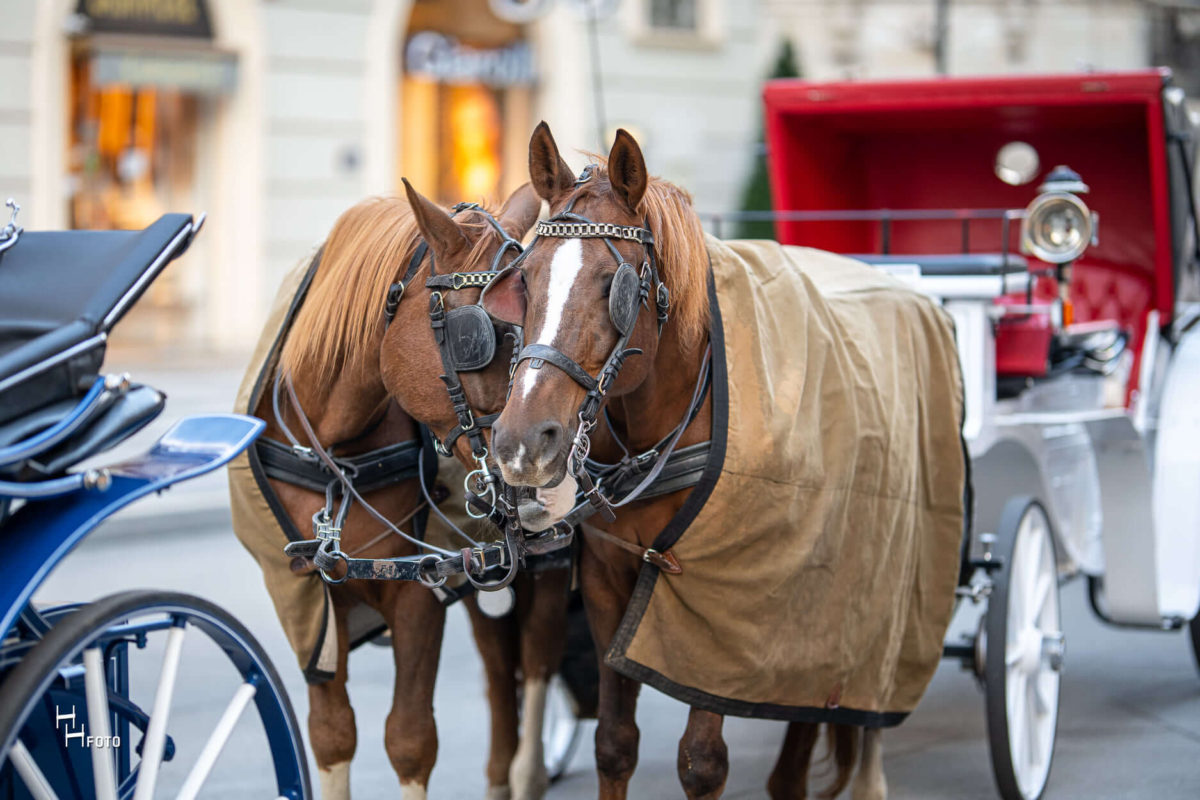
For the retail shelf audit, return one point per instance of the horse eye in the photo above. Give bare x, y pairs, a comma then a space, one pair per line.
608, 284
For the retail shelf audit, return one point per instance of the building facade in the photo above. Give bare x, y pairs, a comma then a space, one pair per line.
273, 116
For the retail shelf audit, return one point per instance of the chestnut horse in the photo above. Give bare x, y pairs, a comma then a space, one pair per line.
561, 297
365, 384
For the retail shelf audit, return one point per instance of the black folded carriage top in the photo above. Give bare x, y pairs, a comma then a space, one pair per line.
61, 292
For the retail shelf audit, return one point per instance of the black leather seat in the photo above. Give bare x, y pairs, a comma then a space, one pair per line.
957, 264
59, 290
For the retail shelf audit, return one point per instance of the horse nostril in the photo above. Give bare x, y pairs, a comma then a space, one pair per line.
547, 439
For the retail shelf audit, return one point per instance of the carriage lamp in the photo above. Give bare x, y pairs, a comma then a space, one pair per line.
1058, 226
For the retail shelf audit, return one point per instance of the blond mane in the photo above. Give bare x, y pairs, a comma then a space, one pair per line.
367, 250
682, 253
679, 242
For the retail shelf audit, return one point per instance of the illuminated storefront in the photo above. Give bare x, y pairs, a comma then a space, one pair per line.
465, 101
145, 82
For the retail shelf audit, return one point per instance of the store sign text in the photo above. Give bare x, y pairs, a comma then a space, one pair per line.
442, 58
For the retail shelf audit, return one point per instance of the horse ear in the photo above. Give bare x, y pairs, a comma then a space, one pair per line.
445, 238
549, 173
627, 169
504, 297
520, 211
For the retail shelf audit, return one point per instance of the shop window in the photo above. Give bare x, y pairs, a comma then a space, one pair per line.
132, 152
465, 105
675, 23
673, 15
131, 159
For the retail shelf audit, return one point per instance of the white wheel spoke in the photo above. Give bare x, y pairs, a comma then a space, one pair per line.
1012, 656
156, 731
1016, 710
96, 689
216, 741
1044, 697
29, 771
1041, 596
1034, 723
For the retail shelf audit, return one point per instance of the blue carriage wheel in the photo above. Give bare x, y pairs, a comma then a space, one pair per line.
79, 678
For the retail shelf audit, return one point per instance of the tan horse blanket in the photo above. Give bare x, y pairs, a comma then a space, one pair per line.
821, 549
302, 602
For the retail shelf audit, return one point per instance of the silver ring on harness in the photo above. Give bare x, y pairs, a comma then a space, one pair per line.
337, 555
424, 565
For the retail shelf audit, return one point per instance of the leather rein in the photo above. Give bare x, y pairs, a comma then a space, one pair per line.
487, 496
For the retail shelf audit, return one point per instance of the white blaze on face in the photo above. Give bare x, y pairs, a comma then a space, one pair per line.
565, 267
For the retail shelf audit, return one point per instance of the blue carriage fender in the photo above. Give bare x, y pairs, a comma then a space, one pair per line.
41, 533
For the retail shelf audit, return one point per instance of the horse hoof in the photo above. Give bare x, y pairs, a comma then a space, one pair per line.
498, 793
528, 783
866, 792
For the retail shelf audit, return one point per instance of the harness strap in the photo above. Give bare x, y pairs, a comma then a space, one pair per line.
698, 396
545, 353
347, 485
372, 470
683, 470
445, 446
664, 561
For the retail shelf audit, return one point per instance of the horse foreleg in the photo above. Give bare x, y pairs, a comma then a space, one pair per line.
331, 729
616, 730
416, 620
870, 783
789, 779
496, 640
703, 760
542, 615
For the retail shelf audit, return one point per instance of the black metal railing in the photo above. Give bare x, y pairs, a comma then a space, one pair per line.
717, 223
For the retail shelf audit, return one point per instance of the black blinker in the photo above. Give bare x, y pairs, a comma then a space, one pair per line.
471, 337
623, 299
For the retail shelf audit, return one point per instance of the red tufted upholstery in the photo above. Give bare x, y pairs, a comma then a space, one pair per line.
1099, 291
1102, 291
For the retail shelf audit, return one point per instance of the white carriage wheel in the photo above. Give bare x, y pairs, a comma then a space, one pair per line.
1023, 652
561, 729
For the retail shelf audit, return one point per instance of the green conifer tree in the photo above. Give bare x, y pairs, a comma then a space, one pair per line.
756, 196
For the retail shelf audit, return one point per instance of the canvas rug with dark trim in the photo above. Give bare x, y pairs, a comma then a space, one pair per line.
302, 601
821, 549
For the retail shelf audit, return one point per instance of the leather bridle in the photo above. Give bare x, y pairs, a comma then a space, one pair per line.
487, 495
629, 292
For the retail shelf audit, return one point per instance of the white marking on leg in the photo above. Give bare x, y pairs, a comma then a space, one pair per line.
413, 791
527, 776
565, 267
335, 781
870, 783
498, 793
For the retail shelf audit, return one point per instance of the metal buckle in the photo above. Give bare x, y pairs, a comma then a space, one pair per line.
641, 460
